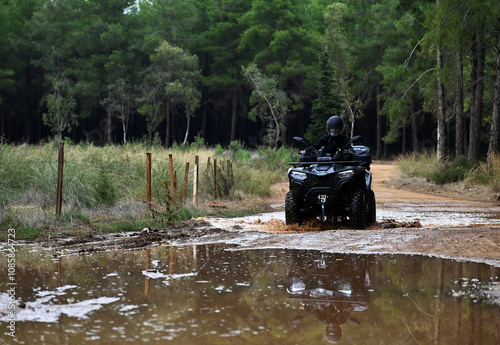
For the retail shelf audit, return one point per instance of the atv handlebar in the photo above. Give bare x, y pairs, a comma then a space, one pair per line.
312, 151
351, 163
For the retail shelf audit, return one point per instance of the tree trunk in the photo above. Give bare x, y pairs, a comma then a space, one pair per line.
459, 105
108, 127
495, 117
29, 96
61, 124
167, 126
234, 107
215, 129
379, 125
386, 148
403, 139
204, 115
2, 128
187, 128
439, 300
414, 137
233, 117
124, 119
477, 108
441, 137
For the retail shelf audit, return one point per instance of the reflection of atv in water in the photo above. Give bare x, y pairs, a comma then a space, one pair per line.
331, 187
331, 287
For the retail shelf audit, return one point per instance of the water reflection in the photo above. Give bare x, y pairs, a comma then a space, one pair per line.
213, 294
331, 287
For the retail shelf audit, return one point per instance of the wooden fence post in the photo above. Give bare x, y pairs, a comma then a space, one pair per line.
230, 174
215, 178
148, 179
186, 175
206, 178
195, 180
172, 175
60, 168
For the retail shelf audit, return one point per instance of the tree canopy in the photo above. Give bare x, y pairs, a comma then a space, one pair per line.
407, 75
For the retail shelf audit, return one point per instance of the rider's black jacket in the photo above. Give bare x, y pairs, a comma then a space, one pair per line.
330, 143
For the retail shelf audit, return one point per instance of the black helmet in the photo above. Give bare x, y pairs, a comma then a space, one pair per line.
334, 125
333, 333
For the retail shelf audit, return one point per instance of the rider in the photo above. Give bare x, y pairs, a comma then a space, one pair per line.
332, 315
334, 139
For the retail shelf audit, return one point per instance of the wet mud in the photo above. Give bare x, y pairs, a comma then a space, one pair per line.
90, 243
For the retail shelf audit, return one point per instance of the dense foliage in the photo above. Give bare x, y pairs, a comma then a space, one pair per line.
410, 74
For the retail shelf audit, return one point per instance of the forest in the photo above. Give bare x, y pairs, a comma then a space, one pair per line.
408, 75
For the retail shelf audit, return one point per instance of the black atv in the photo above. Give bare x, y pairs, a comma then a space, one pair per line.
333, 188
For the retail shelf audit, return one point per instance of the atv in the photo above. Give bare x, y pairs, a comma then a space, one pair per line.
331, 187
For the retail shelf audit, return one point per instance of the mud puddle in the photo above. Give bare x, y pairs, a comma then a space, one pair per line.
222, 294
404, 215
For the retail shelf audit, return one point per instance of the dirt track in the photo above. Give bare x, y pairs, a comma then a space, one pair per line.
406, 234
475, 242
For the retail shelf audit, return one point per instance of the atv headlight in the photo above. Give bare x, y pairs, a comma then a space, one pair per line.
298, 175
346, 174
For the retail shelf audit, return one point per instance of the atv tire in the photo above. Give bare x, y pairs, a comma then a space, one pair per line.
292, 208
371, 205
357, 209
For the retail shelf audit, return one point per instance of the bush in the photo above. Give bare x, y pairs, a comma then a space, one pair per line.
219, 150
105, 191
198, 143
455, 171
417, 164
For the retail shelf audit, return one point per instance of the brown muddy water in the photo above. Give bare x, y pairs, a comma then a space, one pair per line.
217, 294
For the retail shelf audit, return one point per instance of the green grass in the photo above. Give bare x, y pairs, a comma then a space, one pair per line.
105, 187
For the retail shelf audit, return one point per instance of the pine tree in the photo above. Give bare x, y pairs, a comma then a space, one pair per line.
328, 102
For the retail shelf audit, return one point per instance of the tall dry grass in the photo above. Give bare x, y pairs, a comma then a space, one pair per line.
111, 180
417, 164
466, 172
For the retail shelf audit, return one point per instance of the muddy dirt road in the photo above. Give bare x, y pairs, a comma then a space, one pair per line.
408, 222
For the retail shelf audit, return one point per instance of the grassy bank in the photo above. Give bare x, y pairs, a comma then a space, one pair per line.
104, 188
463, 173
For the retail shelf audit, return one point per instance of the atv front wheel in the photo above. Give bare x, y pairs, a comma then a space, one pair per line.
371, 205
292, 208
357, 209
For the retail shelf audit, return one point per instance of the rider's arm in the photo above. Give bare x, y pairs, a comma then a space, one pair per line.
319, 144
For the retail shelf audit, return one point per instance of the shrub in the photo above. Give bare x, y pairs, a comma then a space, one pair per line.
219, 150
105, 191
455, 171
417, 164
198, 143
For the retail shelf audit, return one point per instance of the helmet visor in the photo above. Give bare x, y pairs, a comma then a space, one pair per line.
334, 132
